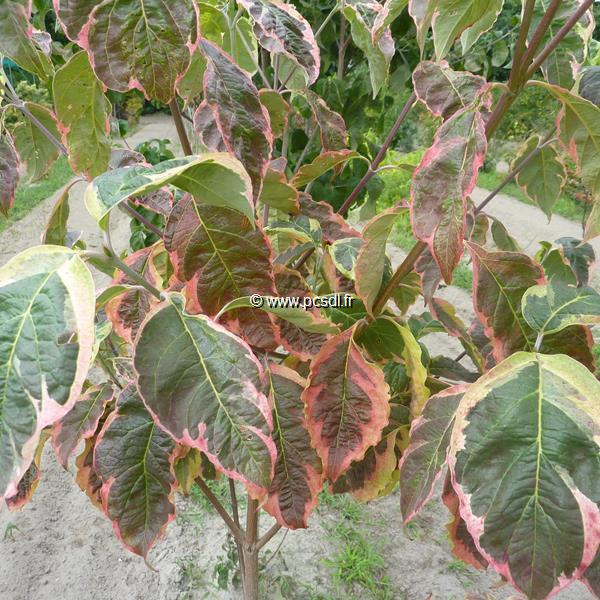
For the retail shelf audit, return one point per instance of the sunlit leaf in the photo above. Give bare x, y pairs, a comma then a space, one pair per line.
321, 164
46, 340
525, 464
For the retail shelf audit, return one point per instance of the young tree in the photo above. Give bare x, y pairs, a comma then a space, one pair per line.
206, 372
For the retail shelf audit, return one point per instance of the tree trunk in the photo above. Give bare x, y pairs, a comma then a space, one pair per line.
250, 569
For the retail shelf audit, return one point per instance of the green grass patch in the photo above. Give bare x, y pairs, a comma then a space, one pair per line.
565, 206
29, 195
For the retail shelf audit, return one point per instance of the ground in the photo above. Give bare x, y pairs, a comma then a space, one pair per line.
59, 547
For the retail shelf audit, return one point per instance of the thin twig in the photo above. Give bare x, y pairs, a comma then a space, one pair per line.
136, 215
341, 48
250, 51
305, 150
266, 538
236, 531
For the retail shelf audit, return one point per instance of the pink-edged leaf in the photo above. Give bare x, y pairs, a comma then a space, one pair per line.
218, 406
430, 275
389, 12
281, 29
134, 458
46, 345
134, 44
207, 128
159, 201
335, 159
9, 173
19, 41
347, 404
223, 257
463, 545
297, 341
591, 577
81, 421
441, 183
333, 226
86, 477
499, 281
374, 475
445, 91
128, 310
422, 462
331, 124
31, 479
241, 119
298, 479
525, 464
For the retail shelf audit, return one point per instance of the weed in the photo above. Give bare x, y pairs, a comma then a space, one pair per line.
190, 573
227, 571
9, 532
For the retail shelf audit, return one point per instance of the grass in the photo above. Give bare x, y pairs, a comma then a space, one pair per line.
29, 195
565, 206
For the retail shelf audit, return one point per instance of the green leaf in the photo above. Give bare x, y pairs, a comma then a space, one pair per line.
134, 44
543, 177
552, 307
445, 91
347, 404
281, 29
382, 340
589, 85
422, 462
187, 468
17, 39
223, 257
241, 119
422, 12
216, 179
362, 15
298, 479
278, 193
81, 421
579, 128
46, 341
441, 184
133, 457
369, 266
525, 464
190, 86
321, 164
218, 407
9, 173
56, 228
277, 108
34, 148
503, 239
83, 111
390, 11
453, 17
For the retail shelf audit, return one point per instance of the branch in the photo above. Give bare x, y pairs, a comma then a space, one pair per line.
341, 48
236, 531
136, 215
179, 125
236, 520
557, 39
265, 539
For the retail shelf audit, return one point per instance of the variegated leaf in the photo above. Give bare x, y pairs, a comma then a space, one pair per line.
46, 340
9, 173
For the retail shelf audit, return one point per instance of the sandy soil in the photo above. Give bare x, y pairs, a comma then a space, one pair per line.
59, 547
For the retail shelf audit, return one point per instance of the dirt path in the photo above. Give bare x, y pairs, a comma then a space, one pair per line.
59, 547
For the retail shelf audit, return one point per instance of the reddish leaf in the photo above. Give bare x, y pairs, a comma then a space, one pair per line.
134, 45
281, 29
207, 129
134, 459
128, 310
241, 119
445, 91
592, 576
298, 473
422, 462
430, 275
222, 257
297, 341
347, 404
333, 226
463, 545
9, 173
441, 183
81, 421
331, 124
159, 201
87, 478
